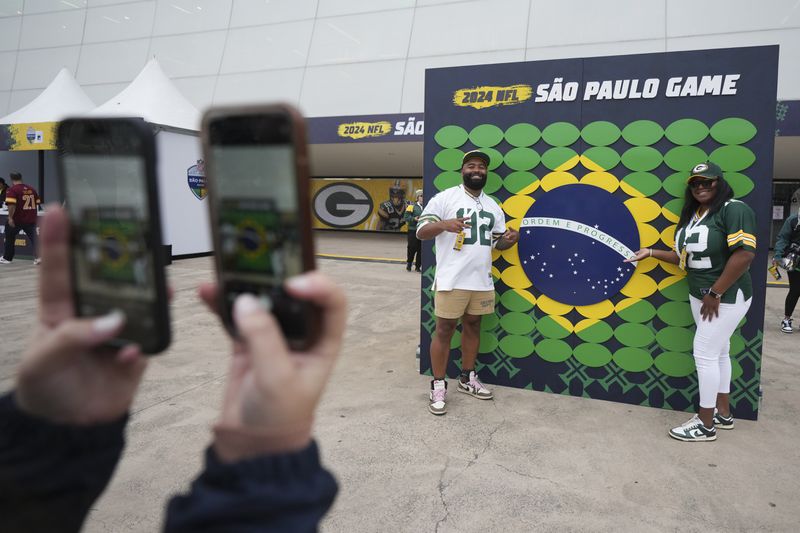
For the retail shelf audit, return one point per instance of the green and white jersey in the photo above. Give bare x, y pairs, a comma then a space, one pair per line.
469, 268
709, 240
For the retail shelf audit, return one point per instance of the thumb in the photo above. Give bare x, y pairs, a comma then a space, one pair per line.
89, 332
261, 333
73, 337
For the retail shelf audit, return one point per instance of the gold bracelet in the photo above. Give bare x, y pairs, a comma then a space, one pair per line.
651, 252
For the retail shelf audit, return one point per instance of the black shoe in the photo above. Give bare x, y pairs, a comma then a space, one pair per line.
722, 422
408, 267
417, 269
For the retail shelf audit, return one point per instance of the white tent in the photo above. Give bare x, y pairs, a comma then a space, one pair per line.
62, 98
152, 96
181, 173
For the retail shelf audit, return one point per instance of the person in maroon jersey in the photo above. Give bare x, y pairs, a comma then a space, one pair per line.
23, 209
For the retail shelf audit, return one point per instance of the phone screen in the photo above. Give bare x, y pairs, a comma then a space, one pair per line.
258, 220
106, 198
259, 224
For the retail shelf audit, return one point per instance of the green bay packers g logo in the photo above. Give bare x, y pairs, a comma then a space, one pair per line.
342, 205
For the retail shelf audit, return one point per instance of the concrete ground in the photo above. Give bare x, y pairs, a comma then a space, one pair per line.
527, 461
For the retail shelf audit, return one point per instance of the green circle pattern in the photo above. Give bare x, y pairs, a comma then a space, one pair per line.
521, 158
523, 134
646, 183
561, 134
517, 181
684, 157
600, 133
642, 133
451, 136
686, 131
486, 135
555, 157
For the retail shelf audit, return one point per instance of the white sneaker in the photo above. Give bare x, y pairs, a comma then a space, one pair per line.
474, 387
4, 261
786, 325
437, 397
694, 431
37, 261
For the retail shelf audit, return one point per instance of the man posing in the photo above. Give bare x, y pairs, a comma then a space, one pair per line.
466, 224
23, 206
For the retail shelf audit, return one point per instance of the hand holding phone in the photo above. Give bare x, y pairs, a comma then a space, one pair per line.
258, 416
61, 377
107, 173
257, 176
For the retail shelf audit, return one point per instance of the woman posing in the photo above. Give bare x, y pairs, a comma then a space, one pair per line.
715, 243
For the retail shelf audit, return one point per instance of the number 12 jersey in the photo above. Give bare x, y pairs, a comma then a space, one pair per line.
470, 267
707, 243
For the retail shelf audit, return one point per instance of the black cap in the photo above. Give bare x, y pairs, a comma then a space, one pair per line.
707, 170
475, 153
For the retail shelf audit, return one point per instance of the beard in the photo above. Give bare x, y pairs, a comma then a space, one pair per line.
474, 180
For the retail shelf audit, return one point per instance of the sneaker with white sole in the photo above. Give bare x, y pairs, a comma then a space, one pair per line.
693, 431
4, 261
786, 325
437, 397
474, 387
37, 261
722, 422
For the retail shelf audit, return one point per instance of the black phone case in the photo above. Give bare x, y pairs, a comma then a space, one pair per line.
311, 314
162, 331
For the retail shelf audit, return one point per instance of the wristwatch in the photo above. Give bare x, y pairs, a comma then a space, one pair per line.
714, 294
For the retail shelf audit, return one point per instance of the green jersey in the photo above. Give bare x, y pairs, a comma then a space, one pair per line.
707, 242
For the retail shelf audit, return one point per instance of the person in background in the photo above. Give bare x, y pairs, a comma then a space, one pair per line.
714, 243
62, 428
23, 210
466, 224
3, 189
789, 235
411, 217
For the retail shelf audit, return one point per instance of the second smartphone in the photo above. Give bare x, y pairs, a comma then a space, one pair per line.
258, 190
107, 172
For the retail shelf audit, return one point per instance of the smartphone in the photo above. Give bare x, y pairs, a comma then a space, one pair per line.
107, 171
258, 190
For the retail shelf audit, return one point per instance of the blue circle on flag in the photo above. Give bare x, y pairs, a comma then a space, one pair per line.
572, 242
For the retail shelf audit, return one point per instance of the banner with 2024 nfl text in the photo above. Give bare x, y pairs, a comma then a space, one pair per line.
589, 160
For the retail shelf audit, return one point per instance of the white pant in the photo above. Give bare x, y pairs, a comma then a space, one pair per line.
712, 343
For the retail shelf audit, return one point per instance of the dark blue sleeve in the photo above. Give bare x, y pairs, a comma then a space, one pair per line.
275, 493
50, 474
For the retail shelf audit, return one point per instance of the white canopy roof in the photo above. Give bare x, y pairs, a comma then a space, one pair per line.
62, 98
152, 96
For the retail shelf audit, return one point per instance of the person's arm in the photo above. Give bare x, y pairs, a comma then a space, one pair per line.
503, 237
668, 256
12, 206
51, 474
430, 223
289, 491
263, 472
61, 432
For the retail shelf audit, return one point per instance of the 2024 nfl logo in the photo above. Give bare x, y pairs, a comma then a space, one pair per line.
196, 178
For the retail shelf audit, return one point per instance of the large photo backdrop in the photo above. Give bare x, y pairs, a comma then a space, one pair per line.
589, 160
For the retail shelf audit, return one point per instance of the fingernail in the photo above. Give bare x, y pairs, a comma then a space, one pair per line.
244, 305
108, 323
299, 283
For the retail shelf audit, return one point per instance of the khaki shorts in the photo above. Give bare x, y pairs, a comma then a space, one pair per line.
456, 303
